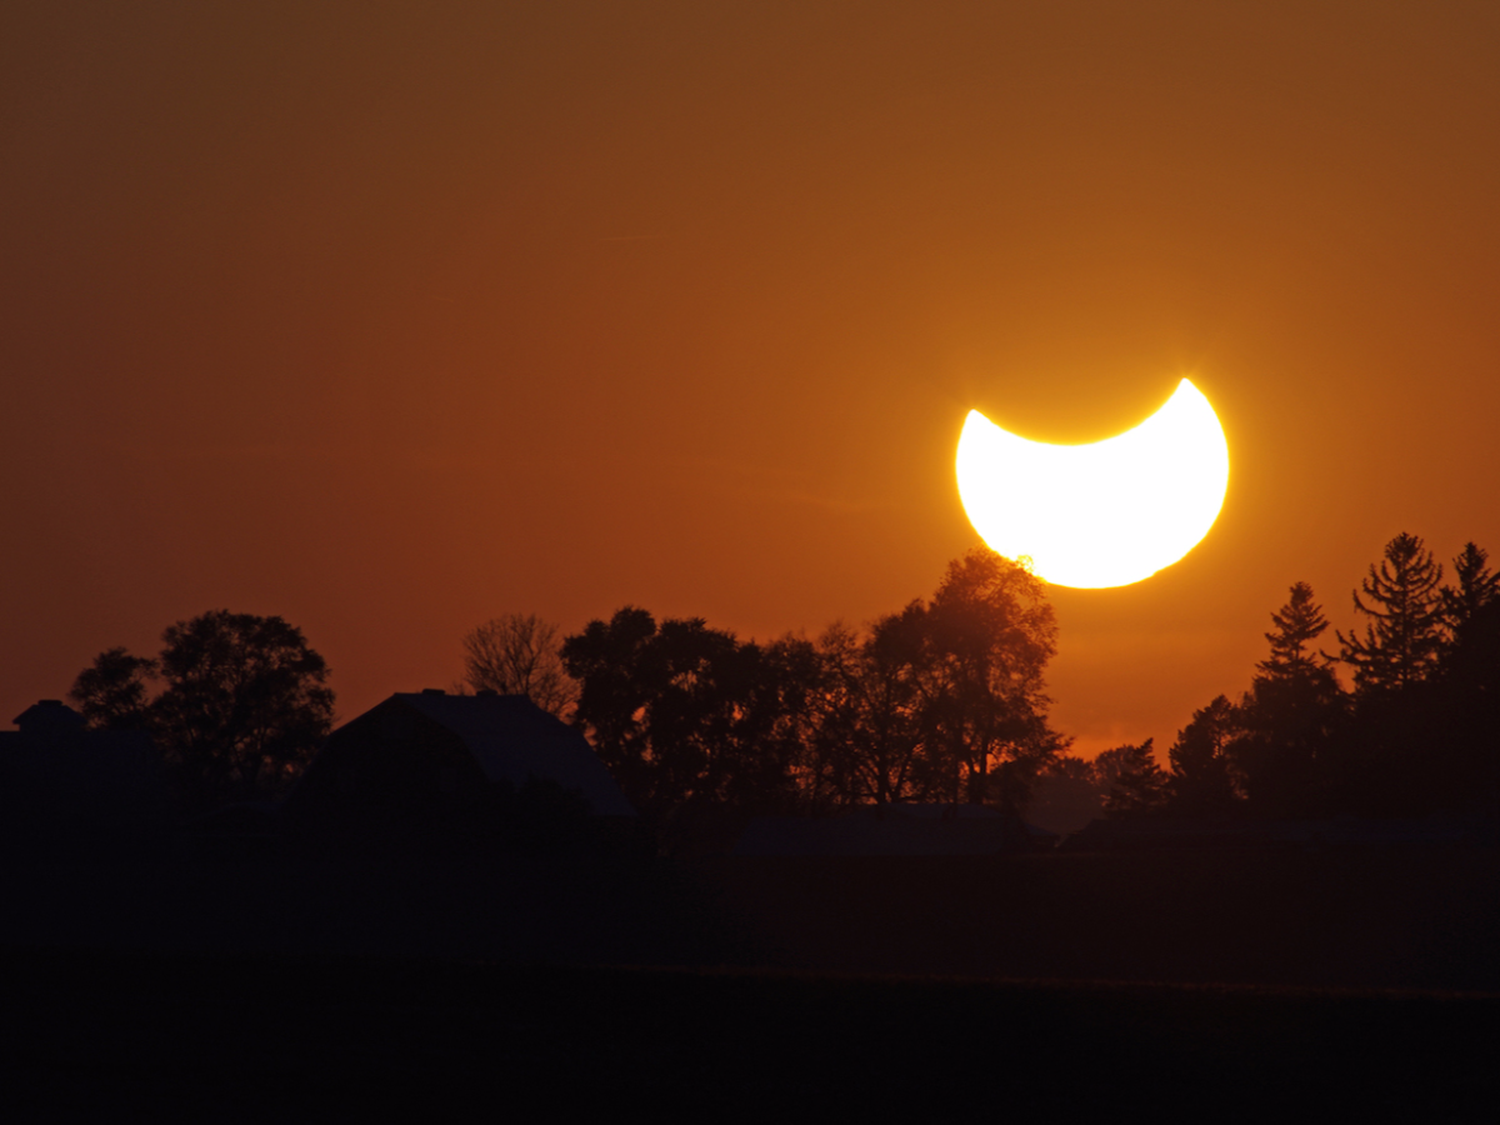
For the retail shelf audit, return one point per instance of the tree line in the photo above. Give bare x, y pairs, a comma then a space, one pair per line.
942, 701
1414, 734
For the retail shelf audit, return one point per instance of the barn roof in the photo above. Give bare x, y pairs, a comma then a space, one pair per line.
512, 738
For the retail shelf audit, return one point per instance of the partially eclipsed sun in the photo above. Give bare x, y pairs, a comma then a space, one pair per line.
1106, 514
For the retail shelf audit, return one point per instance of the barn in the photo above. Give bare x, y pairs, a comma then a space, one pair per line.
420, 755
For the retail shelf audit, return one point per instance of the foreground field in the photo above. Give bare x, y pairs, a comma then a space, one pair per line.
1412, 918
247, 984
1423, 917
251, 1038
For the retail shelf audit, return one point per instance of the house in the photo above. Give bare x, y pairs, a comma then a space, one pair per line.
420, 756
58, 779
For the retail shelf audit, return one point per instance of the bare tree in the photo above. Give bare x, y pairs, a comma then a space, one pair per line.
520, 654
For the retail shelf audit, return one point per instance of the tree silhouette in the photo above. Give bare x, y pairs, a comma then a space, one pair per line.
112, 693
1291, 713
1476, 588
941, 701
519, 654
1401, 644
989, 633
1415, 737
1136, 783
870, 733
833, 714
1465, 715
674, 711
1297, 624
243, 708
775, 767
245, 705
1203, 781
613, 665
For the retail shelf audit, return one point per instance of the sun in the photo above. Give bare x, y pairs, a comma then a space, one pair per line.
1105, 514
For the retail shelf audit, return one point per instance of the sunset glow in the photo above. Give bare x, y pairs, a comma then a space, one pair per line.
1104, 514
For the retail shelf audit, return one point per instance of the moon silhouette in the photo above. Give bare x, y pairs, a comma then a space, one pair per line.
1105, 514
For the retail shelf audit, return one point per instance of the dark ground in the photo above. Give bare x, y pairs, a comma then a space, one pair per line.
1425, 917
234, 981
252, 1038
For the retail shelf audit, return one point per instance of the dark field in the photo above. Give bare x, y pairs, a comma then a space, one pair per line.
252, 1038
1226, 986
1357, 918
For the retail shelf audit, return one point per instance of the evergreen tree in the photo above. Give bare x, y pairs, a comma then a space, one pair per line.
1401, 644
1466, 716
1136, 783
1291, 712
1477, 587
1298, 624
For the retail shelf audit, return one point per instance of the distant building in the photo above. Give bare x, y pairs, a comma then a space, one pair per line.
430, 754
59, 779
894, 830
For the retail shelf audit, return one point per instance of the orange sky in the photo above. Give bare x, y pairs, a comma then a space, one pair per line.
391, 318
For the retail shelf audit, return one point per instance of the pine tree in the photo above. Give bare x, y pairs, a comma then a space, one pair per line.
1298, 624
1136, 783
1401, 644
1290, 713
1477, 587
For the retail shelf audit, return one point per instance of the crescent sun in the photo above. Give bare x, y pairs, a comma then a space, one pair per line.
1105, 514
